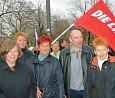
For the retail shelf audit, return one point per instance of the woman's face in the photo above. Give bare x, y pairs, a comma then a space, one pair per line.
44, 48
55, 47
12, 55
21, 41
101, 51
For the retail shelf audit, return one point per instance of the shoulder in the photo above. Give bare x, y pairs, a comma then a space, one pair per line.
91, 69
65, 50
87, 47
32, 57
21, 64
88, 50
54, 61
53, 58
112, 59
29, 52
31, 60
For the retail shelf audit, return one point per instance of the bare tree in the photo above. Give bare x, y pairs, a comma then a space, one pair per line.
58, 25
20, 15
80, 7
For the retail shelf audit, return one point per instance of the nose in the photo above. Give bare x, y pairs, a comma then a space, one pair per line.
101, 51
12, 53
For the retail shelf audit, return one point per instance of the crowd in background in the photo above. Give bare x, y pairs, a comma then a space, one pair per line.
59, 70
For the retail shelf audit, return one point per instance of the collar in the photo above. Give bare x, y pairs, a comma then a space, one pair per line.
24, 50
106, 59
84, 49
72, 50
47, 59
5, 65
95, 60
42, 57
52, 53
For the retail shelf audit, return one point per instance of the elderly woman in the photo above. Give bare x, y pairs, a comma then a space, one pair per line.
100, 81
16, 81
21, 40
47, 70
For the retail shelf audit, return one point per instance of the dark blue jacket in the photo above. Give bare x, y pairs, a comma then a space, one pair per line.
26, 54
49, 76
18, 83
101, 84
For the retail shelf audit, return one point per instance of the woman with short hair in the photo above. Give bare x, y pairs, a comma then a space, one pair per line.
47, 70
100, 81
21, 40
16, 81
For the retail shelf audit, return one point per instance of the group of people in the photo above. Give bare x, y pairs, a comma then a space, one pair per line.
77, 71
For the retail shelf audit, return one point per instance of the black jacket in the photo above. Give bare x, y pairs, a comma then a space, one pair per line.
65, 59
49, 76
18, 83
101, 84
26, 54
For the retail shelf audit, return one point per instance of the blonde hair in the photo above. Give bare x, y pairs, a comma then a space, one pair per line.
20, 34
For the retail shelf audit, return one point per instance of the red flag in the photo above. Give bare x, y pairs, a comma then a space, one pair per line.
100, 21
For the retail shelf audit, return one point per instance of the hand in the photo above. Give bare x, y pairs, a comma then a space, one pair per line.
39, 93
65, 96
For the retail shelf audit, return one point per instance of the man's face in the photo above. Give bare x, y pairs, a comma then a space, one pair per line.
76, 38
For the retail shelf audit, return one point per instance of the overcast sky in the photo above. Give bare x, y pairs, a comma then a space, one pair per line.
60, 5
57, 6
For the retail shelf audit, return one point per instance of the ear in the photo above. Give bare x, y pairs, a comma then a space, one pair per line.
70, 39
108, 50
95, 52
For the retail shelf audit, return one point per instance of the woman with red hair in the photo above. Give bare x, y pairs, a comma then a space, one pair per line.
100, 82
21, 40
47, 71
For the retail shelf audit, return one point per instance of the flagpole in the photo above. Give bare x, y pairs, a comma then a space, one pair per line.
36, 37
63, 33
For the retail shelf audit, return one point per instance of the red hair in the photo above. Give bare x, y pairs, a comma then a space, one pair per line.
44, 38
20, 34
100, 41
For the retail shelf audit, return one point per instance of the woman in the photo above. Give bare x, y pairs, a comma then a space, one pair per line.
21, 40
16, 81
47, 70
100, 81
55, 49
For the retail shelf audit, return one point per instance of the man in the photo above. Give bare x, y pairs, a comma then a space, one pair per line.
63, 43
74, 60
55, 49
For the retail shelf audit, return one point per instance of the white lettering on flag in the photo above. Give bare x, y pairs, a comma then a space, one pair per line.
105, 19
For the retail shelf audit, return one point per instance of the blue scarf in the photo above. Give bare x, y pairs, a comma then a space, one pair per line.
42, 57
